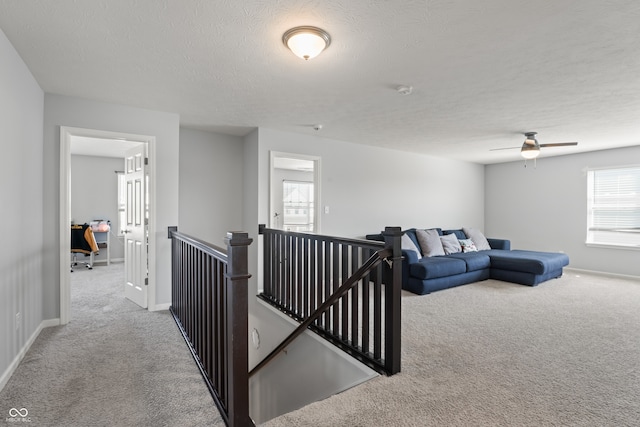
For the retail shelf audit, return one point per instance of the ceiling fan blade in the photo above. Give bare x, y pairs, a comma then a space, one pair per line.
505, 148
559, 144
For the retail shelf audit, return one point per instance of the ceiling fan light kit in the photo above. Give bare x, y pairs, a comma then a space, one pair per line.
530, 147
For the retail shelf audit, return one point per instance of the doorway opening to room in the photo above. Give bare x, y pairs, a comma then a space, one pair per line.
294, 192
107, 184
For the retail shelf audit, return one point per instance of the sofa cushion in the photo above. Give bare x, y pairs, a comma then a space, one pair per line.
528, 261
499, 244
450, 244
478, 238
407, 244
430, 242
433, 267
474, 260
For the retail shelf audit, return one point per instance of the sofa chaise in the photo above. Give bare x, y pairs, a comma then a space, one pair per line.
435, 259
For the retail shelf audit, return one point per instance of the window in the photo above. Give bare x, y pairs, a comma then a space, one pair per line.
122, 201
613, 206
298, 205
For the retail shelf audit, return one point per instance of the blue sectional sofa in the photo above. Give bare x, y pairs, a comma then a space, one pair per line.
479, 258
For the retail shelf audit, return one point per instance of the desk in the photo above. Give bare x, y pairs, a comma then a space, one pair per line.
101, 230
102, 240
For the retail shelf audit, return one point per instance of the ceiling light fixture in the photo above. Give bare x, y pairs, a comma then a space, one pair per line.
530, 147
306, 42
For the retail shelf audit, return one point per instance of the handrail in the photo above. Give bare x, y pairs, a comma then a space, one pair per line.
206, 247
209, 294
371, 244
372, 262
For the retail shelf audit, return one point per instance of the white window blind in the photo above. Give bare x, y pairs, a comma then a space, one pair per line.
122, 201
298, 197
614, 206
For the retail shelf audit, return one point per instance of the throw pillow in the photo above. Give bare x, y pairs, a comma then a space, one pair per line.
478, 238
430, 242
468, 245
407, 244
450, 244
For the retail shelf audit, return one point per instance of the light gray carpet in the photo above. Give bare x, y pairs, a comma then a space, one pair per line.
565, 353
114, 364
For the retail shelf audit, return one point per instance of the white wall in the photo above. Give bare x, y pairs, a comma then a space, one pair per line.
76, 112
21, 186
545, 208
211, 185
366, 188
94, 195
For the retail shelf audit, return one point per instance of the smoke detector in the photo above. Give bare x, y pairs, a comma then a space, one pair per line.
404, 89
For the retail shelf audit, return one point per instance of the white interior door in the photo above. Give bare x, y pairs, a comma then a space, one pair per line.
135, 227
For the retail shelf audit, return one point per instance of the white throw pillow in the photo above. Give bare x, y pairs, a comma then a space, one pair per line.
407, 244
478, 238
430, 242
450, 244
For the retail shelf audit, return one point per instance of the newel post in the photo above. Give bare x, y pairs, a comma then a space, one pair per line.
238, 324
392, 352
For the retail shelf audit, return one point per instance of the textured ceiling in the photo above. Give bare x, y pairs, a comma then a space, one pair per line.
483, 72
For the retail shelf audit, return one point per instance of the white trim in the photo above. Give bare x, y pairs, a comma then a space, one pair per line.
160, 307
65, 222
612, 246
601, 273
599, 168
6, 375
317, 166
65, 210
151, 229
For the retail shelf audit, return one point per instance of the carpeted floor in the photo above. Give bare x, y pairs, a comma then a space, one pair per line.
114, 364
565, 353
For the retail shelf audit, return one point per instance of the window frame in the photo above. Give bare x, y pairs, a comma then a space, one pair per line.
631, 203
308, 207
121, 203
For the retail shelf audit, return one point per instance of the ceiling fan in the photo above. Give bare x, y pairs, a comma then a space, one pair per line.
531, 148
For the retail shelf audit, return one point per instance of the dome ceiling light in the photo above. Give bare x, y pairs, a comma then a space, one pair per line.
306, 42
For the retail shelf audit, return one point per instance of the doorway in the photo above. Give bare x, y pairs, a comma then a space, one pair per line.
101, 144
294, 192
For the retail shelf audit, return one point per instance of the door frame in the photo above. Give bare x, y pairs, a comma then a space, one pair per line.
66, 133
316, 184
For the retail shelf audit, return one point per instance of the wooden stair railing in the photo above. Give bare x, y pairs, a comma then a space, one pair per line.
364, 320
209, 303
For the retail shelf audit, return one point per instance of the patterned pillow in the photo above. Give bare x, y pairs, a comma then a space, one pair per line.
468, 245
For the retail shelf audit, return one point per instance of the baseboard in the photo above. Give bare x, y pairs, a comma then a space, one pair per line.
160, 307
6, 375
602, 273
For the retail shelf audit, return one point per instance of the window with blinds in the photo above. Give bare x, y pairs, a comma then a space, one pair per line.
298, 197
122, 201
613, 216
